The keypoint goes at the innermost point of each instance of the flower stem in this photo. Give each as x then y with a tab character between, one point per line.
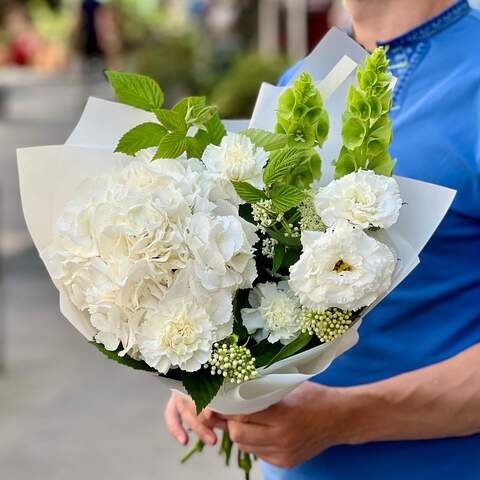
197	448
226	447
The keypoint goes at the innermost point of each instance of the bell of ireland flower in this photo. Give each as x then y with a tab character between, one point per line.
343	268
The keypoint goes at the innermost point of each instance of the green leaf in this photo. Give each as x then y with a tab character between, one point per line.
281	163
292	348
267	140
291	256
286	197
171	120
353	132
136	90
172	145
123	360
248	192
189	106
143	136
202	387
278	256
195	148
264	352
215	129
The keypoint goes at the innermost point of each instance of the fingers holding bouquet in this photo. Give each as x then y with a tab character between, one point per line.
304	424
180	416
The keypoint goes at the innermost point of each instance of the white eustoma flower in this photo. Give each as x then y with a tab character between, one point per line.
129	235
362	198
275	313
343	267
182	329
237	159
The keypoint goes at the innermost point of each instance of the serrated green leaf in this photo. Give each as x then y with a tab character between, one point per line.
353	132
171	120
123	360
202	387
143	136
281	162
136	90
195	148
285	197
292	348
172	145
248	192
267	140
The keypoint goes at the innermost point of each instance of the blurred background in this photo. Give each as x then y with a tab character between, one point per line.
65	412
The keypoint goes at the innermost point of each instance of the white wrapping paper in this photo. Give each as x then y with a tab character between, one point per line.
50	175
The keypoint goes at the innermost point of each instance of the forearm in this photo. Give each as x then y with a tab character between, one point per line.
439	401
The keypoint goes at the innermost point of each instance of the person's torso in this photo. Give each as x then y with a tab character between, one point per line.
434	313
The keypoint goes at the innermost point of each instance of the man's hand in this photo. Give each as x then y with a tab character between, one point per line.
300	427
180	411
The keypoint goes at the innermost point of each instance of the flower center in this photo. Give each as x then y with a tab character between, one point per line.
342	266
279	312
235	156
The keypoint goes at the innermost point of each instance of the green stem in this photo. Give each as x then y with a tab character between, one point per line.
197	448
245	463
226	447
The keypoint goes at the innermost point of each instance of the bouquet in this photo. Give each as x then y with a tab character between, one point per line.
219	259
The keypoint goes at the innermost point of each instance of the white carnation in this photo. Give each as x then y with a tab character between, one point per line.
182	330
343	268
362	198
127	236
237	159
275	313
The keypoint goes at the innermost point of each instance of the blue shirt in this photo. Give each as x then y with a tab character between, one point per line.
434	314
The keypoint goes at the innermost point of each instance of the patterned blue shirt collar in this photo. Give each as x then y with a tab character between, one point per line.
407	51
432	26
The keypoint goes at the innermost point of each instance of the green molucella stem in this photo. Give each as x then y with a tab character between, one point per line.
367	129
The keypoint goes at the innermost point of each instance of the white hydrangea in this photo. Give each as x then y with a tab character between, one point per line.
343	267
237	159
362	198
127	236
275	313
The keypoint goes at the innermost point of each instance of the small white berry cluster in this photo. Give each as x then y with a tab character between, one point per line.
234	362
264	216
293	231
268	247
327	325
